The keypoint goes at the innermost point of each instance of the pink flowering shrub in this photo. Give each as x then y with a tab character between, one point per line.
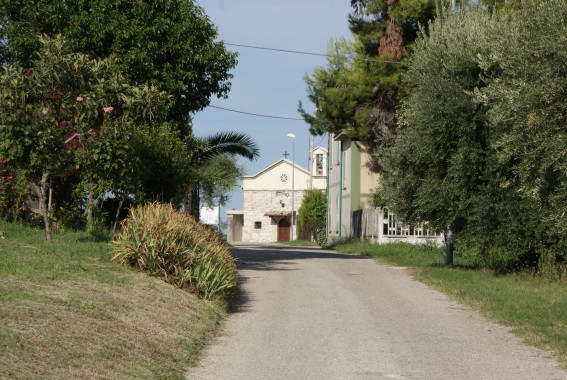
9	197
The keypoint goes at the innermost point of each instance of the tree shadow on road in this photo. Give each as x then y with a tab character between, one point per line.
274	257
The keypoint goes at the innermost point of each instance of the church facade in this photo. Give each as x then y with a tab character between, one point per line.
269	198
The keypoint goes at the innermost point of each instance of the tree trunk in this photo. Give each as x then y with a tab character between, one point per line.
41	193
188	200
192	202
120	204
89	208
51	206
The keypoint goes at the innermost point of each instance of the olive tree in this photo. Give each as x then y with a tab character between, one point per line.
481	145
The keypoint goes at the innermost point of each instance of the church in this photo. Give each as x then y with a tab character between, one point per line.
266	217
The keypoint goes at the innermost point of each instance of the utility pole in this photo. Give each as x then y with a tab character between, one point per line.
454	5
311	161
292	136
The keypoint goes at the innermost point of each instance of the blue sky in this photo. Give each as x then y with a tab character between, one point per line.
268	82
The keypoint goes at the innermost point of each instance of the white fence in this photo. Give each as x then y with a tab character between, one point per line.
381	226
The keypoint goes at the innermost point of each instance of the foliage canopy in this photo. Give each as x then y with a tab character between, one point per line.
357	93
168	43
152	62
481	140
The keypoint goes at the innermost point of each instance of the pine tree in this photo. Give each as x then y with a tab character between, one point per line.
358	92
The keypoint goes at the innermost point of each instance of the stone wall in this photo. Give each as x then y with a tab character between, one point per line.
259	202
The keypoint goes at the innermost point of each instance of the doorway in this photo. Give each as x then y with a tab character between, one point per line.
284	229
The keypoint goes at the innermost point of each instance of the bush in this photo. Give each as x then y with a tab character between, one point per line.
14	190
481	142
163	242
312	217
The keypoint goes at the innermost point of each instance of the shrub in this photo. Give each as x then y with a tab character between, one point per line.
173	246
14	190
312	216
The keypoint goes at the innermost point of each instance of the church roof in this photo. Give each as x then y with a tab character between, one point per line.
277	163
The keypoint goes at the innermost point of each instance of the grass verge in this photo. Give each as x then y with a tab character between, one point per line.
534	308
300	243
67	312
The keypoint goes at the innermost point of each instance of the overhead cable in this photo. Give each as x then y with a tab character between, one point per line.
308	53
257	115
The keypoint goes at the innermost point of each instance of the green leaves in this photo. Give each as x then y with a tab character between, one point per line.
312	216
69	115
357	92
165	243
162	162
481	144
213	165
227	142
104	96
168	43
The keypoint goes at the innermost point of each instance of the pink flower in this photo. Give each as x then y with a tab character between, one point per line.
79	98
108	109
62	126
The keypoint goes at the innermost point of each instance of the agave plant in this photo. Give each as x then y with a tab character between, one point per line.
163	242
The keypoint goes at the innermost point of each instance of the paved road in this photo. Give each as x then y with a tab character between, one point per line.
314	314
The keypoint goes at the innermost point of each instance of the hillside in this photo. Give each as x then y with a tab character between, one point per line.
67	312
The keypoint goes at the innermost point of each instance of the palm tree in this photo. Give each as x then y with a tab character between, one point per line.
205	150
358	6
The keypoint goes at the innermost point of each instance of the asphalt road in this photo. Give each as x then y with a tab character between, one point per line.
314	314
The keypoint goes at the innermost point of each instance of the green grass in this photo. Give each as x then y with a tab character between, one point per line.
534	308
300	243
67	312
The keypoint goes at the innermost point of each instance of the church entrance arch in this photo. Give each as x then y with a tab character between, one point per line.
284	229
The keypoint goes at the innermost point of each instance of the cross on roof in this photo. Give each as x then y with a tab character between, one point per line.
286	154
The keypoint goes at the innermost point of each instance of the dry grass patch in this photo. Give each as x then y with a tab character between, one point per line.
74	329
67	312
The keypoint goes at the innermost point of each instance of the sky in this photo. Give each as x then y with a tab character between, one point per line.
269	82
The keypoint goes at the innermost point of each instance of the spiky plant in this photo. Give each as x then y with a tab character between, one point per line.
163	242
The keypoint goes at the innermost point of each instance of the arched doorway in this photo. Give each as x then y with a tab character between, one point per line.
284	230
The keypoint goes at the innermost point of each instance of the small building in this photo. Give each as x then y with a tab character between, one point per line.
266	216
350	212
350	185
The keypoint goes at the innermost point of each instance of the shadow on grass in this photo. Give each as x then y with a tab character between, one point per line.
472	267
97	237
94	240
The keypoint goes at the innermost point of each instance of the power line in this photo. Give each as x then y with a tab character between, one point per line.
290	52
257	114
280	50
308	53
